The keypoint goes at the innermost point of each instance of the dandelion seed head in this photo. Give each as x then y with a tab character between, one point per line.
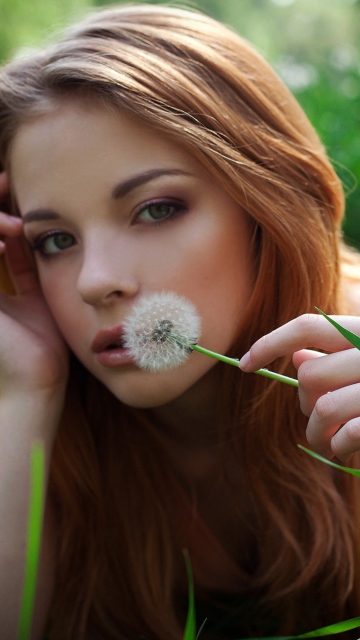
160	331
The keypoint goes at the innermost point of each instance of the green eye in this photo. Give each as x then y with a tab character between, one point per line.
157	211
160	210
62	240
54	242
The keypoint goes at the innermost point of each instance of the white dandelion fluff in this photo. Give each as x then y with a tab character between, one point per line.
161	331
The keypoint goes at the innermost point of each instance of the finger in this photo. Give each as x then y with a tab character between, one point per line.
346	440
319	375
307	397
4	183
331	371
10	225
306	331
303	355
330	412
21	266
4	192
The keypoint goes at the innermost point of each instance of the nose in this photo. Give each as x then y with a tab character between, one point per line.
107	273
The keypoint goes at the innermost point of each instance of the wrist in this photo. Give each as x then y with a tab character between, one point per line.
31	415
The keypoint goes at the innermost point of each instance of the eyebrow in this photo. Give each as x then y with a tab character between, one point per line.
40	214
121	190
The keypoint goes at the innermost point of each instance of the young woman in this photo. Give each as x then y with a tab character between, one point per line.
151	149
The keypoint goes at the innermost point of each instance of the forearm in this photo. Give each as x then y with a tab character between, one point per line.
22	421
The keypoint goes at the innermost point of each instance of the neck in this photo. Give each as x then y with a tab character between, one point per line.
193	419
190	428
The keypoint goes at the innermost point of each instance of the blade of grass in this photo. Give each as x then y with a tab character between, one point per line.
354	472
33	540
332	629
349	335
339	627
190	627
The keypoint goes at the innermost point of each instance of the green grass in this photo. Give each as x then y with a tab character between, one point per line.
190	628
36	503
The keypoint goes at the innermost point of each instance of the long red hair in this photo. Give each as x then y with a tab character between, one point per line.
118	544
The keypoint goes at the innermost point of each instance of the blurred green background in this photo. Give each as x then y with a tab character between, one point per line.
313	45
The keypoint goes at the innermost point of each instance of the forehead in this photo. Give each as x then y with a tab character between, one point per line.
77	144
77	124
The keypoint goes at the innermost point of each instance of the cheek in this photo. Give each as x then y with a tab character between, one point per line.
63	304
227	286
201	254
217	277
221	262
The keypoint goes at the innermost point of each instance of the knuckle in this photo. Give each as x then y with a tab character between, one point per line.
260	348
308	375
353	430
346	440
325	408
315	441
306	323
305	406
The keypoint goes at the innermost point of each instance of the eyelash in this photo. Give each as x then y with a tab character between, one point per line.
178	207
38	243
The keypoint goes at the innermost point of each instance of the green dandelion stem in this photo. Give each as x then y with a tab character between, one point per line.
277	376
235	362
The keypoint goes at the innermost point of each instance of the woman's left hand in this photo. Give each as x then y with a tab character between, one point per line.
329	385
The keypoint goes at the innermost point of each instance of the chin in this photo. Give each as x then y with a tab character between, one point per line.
143	400
152	391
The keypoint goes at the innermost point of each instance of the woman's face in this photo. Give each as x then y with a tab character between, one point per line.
114	211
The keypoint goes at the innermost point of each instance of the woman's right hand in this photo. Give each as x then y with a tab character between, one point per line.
33	354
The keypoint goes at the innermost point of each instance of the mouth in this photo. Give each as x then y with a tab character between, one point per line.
108	340
109	350
119	344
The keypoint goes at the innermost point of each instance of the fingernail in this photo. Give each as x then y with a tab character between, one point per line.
245	361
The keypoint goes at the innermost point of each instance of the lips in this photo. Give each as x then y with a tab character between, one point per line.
108	349
105	338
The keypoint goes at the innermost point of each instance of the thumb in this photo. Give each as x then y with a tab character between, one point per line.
305	354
